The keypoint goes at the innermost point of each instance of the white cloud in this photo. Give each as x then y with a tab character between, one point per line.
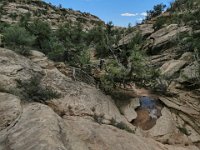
129	14
143	14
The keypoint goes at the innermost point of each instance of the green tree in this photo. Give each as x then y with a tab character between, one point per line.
43	32
18	38
159	23
56	50
157	10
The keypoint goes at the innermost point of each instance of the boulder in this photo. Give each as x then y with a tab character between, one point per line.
164	125
15	67
166	131
84	100
40	128
189	73
37	54
146	29
163	37
171	103
40	59
10	110
126	40
127	108
187	56
170	68
105	137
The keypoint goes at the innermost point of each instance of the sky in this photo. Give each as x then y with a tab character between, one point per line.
120	12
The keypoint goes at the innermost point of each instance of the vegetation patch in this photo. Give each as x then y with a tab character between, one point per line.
121	126
32	90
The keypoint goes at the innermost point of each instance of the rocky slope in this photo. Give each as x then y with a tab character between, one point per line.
84	118
179	72
12	11
69	122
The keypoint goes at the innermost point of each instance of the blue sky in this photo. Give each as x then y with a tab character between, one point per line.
120	12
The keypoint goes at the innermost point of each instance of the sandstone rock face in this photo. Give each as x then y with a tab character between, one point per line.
146	29
187	56
128	109
87	101
165	121
166	35
40	128
15	67
171	67
68	123
189	73
10	110
170	133
106	137
52	15
40	59
127	39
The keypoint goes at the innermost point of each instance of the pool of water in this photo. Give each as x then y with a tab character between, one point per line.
148	113
147	102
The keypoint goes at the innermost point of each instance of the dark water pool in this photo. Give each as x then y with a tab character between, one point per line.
147	102
148	113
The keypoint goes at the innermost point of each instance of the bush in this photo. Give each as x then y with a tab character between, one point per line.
157	10
32	90
99	118
121	125
84	58
56	50
24	19
115	73
42	31
159	23
129	66
18	38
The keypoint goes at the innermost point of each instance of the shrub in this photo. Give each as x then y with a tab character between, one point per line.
56	50
3	26
98	118
13	16
121	125
128	66
32	90
183	130
84	58
18	38
42	31
24	19
157	10
115	73
159	23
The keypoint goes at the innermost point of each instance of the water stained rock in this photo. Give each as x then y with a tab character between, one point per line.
148	113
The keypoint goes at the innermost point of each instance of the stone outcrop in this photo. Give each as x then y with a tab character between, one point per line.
164	38
146	29
171	67
189	73
127	108
44	11
15	67
39	127
10	109
68	122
